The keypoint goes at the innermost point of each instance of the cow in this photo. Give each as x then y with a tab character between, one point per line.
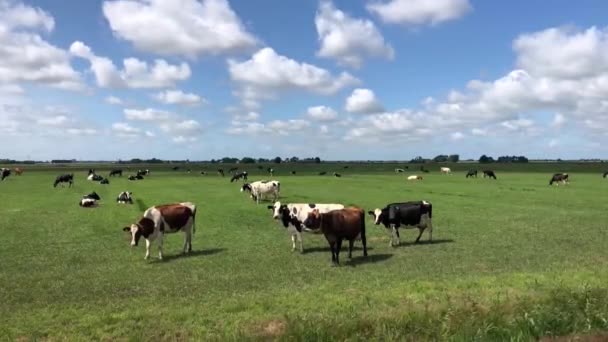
65	178
175	168
240	175
559	177
124	198
322	173
104	181
472	173
416	214
4	172
203	173
220	172
261	189
489	174
414	177
270	171
132	178
91	172
94	177
139	177
145	172
115	172
293	173
159	220
422	169
337	175
605	174
336	225
399	170
89	200
446	170
18	171
293	215
233	169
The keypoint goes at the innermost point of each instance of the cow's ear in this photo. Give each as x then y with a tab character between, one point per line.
371	213
126	229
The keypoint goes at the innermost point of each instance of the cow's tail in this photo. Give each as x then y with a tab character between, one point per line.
363	237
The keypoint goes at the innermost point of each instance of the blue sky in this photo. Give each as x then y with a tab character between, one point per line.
373	79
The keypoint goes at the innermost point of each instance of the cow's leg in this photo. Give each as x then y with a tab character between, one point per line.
350	248
160	246
398	236
332	246
301	243
419	235
148	243
338	248
293	242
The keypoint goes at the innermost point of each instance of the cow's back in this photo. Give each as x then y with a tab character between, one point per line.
345	222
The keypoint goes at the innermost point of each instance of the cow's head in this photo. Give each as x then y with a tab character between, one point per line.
144	228
313	220
246	187
276	209
378	215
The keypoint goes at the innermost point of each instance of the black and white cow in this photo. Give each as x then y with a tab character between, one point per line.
261	189
125	197
89	200
220	172
65	178
270	171
489	174
116	172
164	219
145	172
4	172
337	175
472	173
233	169
240	175
132	178
399	170
293	215
104	181
94	177
605	174
416	214
559	178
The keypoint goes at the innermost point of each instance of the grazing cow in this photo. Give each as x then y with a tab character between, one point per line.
104	181
399	170
145	172
116	172
293	215
89	200
65	178
261	189
323	173
446	170
489	174
175	168
18	171
336	225
220	172
472	173
270	171
605	174
337	174
559	177
293	173
240	175
164	219
410	214
124	198
4	172
233	169
414	177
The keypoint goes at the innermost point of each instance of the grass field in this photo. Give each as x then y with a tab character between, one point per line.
511	259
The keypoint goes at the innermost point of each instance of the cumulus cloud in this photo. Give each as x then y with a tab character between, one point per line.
134	74
187	28
348	40
322	113
25	120
123	129
558	120
148	114
171	124
178	97
275	127
419	12
363	101
27	57
457	136
266	73
113	100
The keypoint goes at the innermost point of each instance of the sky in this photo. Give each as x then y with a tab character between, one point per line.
342	79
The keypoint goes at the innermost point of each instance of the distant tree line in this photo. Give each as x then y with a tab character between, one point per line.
11	161
276	160
503	159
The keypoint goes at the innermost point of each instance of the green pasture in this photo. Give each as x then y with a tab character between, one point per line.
512	259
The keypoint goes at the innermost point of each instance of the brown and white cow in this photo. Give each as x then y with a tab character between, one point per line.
164	219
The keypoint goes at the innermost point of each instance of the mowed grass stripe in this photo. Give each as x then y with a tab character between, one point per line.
68	272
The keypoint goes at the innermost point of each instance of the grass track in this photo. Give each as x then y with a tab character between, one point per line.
512	258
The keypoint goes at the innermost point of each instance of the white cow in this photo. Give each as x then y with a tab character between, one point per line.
292	216
446	170
261	189
164	219
414	177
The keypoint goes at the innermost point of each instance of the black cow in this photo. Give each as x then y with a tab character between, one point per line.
89	200
203	173
65	178
132	178
233	169
240	175
293	173
472	173
605	174
175	168
559	177
105	181
220	172
416	214
323	173
139	177
4	172
489	174
116	172
337	174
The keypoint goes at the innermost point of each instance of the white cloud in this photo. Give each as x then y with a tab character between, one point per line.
419	12
363	101
148	114
125	130
322	113
114	100
182	140
150	134
553	143
82	131
275	127
25	56
348	40
26	120
457	136
479	132
558	120
518	124
135	73
186	127
187	28
250	116
178	97
267	73
57	121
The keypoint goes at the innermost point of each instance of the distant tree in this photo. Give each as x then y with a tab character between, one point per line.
247	160
263	160
228	160
418	160
294	159
440	158
453	158
277	160
317	160
213	161
485	159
